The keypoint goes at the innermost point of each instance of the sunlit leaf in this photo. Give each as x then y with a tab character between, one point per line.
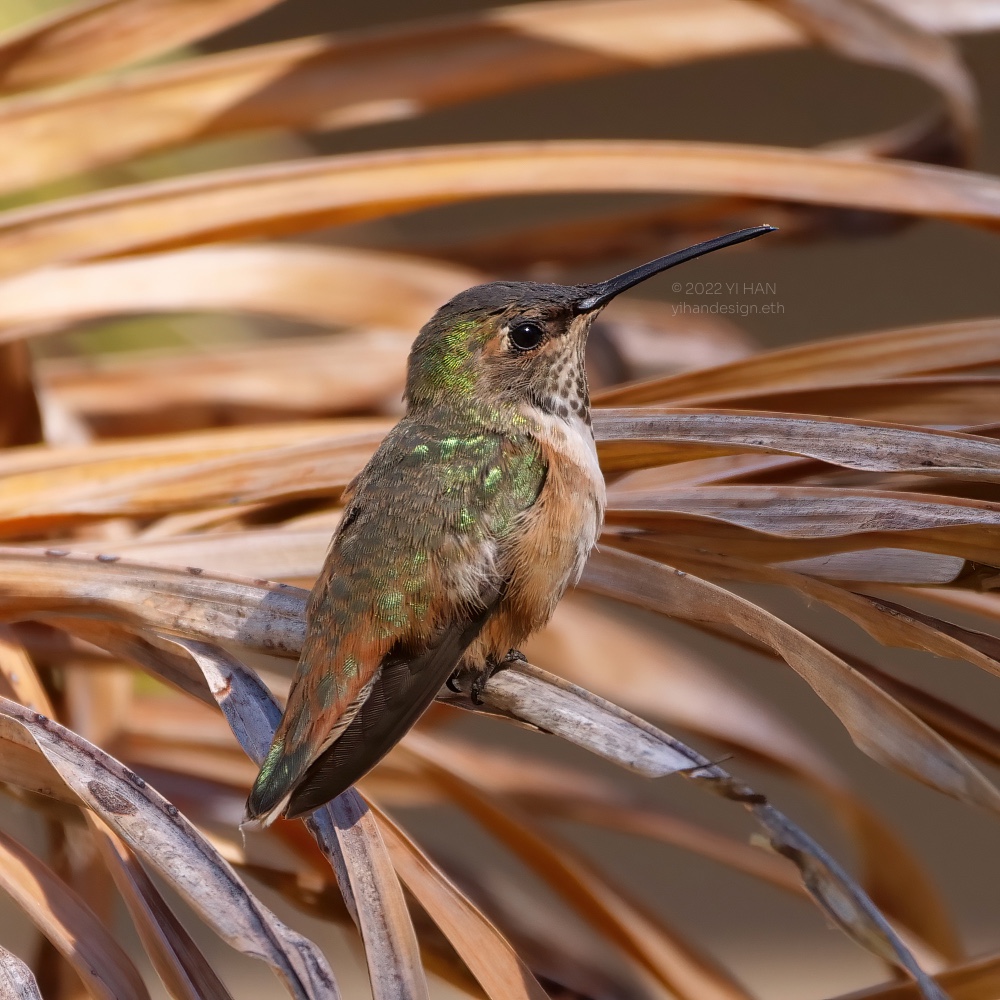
825	363
661	436
890	733
154	828
93	35
70	924
278	199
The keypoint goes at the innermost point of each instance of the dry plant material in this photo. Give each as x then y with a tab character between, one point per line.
160	510
91	36
16	980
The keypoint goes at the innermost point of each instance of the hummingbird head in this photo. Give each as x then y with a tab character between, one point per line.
514	342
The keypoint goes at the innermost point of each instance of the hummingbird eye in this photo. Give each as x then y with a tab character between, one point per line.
526	336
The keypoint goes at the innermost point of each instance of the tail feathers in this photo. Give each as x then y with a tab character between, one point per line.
266	819
403	690
296	782
274	785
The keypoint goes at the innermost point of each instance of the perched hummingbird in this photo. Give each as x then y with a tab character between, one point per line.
460	535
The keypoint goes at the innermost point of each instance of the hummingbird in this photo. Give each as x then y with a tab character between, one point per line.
459	536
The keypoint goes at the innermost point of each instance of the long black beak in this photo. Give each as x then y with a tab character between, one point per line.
601	293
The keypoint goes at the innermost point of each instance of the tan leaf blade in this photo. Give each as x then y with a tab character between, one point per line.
69	923
165	840
853	444
564	792
192	477
935	400
20	415
357	78
888	622
874	33
302	195
842	518
18	677
163	392
360	78
878	724
649	942
268	553
484	950
573	713
16	979
355	847
825	363
267	617
330	286
390	940
94	35
978	979
664	681
836	893
184	970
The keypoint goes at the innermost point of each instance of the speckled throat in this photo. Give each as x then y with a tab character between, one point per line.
566	393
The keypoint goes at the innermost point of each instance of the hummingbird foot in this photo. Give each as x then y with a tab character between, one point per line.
479	683
493	666
480	678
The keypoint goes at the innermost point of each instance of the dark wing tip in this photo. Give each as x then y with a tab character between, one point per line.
274	784
403	690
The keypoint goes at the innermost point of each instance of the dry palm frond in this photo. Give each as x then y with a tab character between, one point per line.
162	511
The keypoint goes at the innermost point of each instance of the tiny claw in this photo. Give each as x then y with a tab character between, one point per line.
452	685
479	683
514	656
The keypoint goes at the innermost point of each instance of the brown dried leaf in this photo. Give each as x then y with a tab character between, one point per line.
94	35
351	372
657	948
16	979
23	766
268	553
184	970
656	678
978	979
310	194
881	566
359	78
663	435
842	518
889	623
165	840
189	474
344	829
936	400
556	790
878	724
18	678
20	416
835	892
873	33
563	709
69	923
824	364
362	78
480	945
329	286
267	617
